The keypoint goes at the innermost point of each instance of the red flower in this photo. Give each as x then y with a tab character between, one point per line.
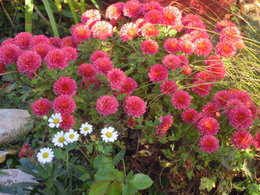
169	87
107	105
158	72
55	41
80	32
134	106
67	122
256	140
226	49
187	70
203	46
37	39
102	30
67	42
171	45
221	98
200	89
172	15
65	86
71	53
171	61
209	143
87	70
28	61
90	14
116	78
208	126
64	104
9	53
189	115
149	47
103	65
114	11
240	117
23	40
181	99
242	139
42	49
2	68
56	58
166	123
149	30
154	16
128	86
132	8
128	31
210	110
41	107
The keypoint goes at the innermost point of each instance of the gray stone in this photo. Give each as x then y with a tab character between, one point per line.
15	176
13	123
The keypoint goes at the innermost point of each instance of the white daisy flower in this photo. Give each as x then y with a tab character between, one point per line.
55	120
45	155
86	129
71	136
59	139
109	134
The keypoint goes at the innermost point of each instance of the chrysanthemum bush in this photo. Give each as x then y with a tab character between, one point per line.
143	78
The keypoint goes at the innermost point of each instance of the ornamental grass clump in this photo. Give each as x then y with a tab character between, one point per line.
149	71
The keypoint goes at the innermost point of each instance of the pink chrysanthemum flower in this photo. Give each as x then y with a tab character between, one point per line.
80	32
189	115
232	34
166	123
87	70
210	110
196	34
71	53
67	122
243	97
226	49
42	49
134	106
208	126
128	31
171	15
204	76
36	39
149	47
254	110
218	71
203	46
102	30
67	42
151	5
256	140
169	87
114	11
132	9
181	99
149	30
197	119
28	61
56	58
221	98
103	65
213	60
65	86
98	54
184	60
64	104
171	61
158	72
8	41
186	45
41	107
128	86
171	45
209	143
55	41
242	139
201	88
107	105
240	117
195	26
90	14
232	103
154	16
186	69
191	18
116	77
23	40
223	24
9	53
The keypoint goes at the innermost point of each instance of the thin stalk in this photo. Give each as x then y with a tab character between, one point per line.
28	15
95	4
58	5
82	6
73	12
51	18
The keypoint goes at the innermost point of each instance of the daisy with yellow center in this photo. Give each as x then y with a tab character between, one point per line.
86	129
45	155
59	139
108	134
71	136
55	120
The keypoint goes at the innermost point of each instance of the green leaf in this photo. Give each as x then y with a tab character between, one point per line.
99	188
129	189
119	157
207	183
115	189
141	181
